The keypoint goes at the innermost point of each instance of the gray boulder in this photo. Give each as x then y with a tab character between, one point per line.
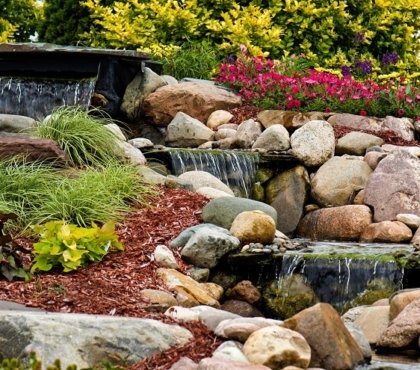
247	133
207	245
394	186
276	137
186	131
85	340
15	123
313	143
185	235
339	179
222	211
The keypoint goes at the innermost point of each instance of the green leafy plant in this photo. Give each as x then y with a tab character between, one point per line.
71	246
81	135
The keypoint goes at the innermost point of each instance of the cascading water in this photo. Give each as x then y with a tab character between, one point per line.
236	169
36	98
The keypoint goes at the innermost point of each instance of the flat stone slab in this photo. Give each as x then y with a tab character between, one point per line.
85	340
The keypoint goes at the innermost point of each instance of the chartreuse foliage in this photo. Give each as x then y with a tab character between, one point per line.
330	33
71	246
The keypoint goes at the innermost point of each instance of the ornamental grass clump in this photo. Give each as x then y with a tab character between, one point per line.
262	82
81	135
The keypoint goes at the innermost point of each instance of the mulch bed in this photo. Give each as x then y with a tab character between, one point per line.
113	286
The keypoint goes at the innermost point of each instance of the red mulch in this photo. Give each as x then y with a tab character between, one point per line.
113	286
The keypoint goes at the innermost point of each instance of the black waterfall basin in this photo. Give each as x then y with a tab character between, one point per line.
342	274
35	77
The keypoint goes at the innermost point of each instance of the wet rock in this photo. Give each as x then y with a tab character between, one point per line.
394	186
253	227
201	179
241	308
207	246
218	117
338	180
186	131
178	282
275	137
287	193
386	231
332	346
263	174
247	133
240	329
87	339
222	211
138	89
356	143
277	347
337	223
400	300
195	99
245	291
404	329
289	295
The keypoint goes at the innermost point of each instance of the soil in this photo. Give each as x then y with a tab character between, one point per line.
113	286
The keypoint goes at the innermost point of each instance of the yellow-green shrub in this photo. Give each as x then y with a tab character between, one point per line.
6	30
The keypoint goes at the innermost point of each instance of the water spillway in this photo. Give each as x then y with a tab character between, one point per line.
35	78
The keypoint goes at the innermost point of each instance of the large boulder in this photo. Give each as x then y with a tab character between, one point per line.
247	133
186	234
206	246
338	180
218	118
200	179
332	346
15	123
387	231
313	143
356	143
253	227
276	137
287	193
373	320
337	223
196	99
85	340
222	211
394	186
400	300
277	347
404	329
33	148
142	85
186	131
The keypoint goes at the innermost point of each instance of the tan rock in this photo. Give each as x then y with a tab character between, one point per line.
223	364
185	299
402	299
387	231
289	119
332	345
412	221
415	241
212	193
245	291
359	198
337	223
198	100
161	297
373	158
214	290
218	117
277	347
356	143
253	227
404	329
179	282
373	321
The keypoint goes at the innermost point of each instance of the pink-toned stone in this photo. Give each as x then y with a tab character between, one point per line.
387	231
198	100
245	291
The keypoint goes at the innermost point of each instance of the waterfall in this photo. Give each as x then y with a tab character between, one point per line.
236	169
340	279
36	98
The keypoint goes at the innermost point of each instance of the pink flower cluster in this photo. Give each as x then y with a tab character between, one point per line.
260	83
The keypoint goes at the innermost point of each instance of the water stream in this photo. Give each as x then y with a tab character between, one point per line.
235	169
36	98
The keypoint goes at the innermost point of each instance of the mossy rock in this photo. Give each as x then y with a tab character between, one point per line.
258	192
288	296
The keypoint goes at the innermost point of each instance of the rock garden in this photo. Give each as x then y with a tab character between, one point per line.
109	259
